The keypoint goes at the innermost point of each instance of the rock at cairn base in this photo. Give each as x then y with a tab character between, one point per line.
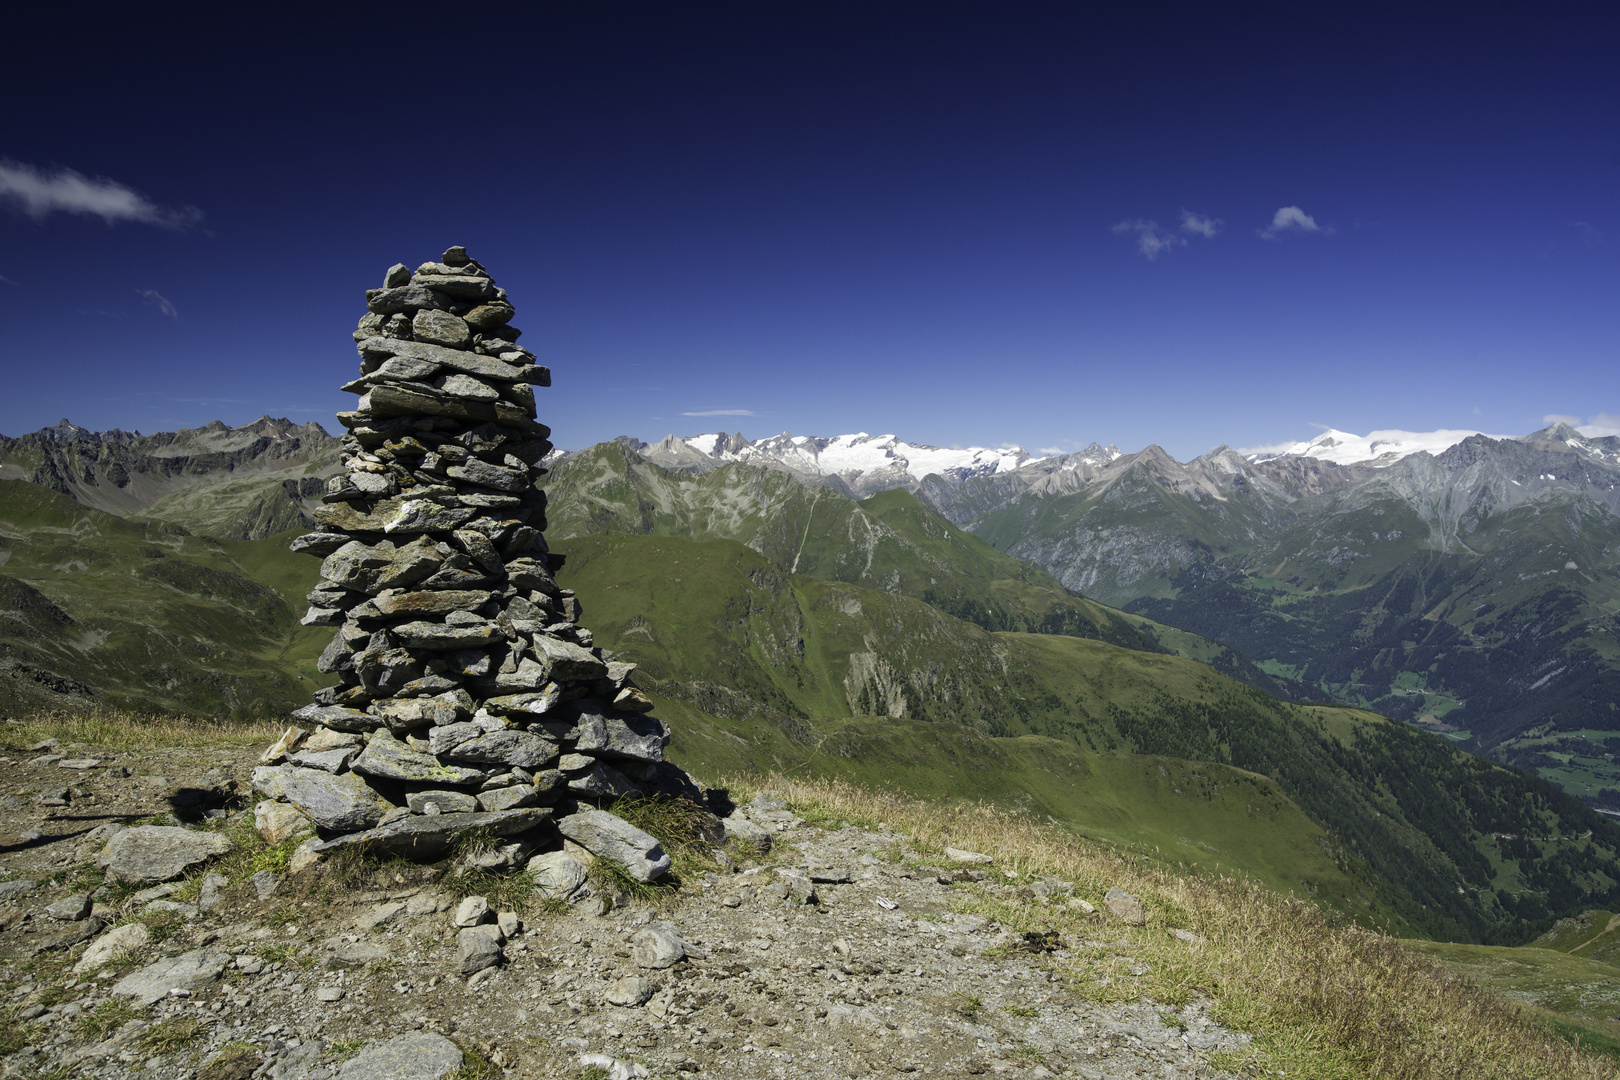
469	697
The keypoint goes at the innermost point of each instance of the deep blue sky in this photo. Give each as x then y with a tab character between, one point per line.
892	217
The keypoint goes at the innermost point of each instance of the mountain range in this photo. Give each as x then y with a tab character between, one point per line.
1459	581
244	482
787	623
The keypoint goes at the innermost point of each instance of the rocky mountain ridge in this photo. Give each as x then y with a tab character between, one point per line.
236	483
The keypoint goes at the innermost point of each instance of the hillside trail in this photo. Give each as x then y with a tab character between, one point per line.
839	955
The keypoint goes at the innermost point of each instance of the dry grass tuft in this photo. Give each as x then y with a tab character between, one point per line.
1321	999
118	729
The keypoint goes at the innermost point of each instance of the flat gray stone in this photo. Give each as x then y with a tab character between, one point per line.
432	635
432	601
491	476
335	803
70	908
387	758
129	936
422	516
415	1056
337	717
564	661
12	889
264	884
443	802
159	852
508	798
479	547
613	734
358	954
657	948
446	737
440	328
740	828
603	781
630	991
332	761
557	875
469	363
404	298
192	971
523	749
960	855
427	836
465	386
608	836
1124	907
477	950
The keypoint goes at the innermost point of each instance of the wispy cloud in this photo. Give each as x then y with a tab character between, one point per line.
1596	427
1151	240
721	412
1293	219
7	280
1200	225
1560	418
1589	232
1266	450
161	302
39	193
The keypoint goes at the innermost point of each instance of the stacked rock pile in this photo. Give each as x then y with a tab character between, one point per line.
469	696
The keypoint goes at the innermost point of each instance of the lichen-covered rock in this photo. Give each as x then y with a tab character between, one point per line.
417	1055
335	803
428	836
387	758
609	836
192	971
153	853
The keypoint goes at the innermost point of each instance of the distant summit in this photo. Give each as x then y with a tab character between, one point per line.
1376	448
67	431
863	464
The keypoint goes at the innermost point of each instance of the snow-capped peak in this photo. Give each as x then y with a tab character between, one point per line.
1376	448
862	460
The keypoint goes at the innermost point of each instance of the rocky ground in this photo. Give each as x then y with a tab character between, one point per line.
840	953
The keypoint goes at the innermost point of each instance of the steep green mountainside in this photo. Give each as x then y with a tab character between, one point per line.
237	483
1213	817
1474	592
95	609
739	637
890	541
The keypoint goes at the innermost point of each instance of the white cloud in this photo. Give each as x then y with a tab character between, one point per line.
39	194
161	302
1292	219
1268	450
721	412
1151	240
1203	226
1600	425
7	280
1560	418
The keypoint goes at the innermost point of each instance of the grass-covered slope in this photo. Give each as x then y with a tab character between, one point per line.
740	637
891	542
95	608
1210	817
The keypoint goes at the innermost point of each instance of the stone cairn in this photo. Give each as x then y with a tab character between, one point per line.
468	697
